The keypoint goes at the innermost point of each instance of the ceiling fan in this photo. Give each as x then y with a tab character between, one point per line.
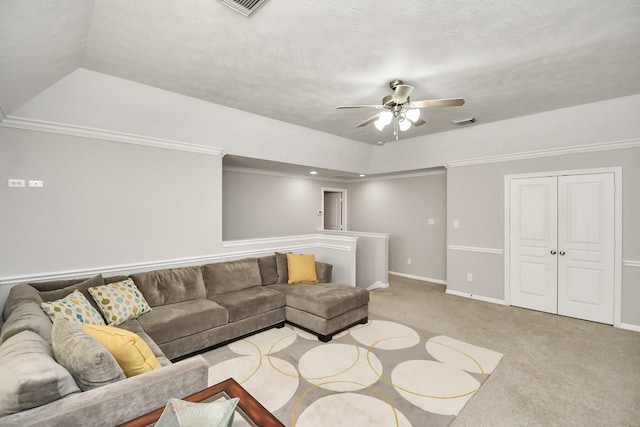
399	109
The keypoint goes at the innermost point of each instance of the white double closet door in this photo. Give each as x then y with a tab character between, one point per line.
562	240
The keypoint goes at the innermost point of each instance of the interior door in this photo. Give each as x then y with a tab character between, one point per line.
562	245
586	247
533	239
332	210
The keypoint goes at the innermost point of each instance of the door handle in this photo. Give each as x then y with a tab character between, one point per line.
553	252
562	253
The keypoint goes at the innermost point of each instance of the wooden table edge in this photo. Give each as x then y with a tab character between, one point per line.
254	409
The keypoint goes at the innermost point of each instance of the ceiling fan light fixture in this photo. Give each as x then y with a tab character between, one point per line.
404	124
413	114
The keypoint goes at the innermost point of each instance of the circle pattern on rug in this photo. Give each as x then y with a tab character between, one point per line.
462	355
352	410
260	378
339	367
269	341
434	386
386	335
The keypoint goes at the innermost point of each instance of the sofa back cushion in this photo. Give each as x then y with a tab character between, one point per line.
223	277
18	295
268	269
27	317
29	374
88	361
172	285
49	294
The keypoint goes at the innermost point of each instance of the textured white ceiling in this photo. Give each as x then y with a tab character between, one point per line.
295	61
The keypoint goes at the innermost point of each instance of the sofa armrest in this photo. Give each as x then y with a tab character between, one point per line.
121	401
324	271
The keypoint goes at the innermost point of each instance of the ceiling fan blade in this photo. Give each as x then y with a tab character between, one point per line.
418	122
358	106
401	94
369	120
453	102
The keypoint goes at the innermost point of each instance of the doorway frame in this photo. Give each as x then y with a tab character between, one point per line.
343	192
617	253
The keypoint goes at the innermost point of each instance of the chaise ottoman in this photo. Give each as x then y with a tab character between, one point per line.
324	308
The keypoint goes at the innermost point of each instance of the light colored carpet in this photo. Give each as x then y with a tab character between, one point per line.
556	371
380	374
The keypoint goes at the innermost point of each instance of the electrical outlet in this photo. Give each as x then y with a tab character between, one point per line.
456	223
432	221
469	277
409	261
35	183
13	182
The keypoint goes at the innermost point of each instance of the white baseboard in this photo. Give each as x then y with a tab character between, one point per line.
476	297
424	279
629	327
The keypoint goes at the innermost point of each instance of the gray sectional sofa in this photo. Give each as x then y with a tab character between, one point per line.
193	309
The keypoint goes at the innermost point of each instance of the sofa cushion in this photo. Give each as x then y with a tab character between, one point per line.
325	300
268	269
282	267
27	317
229	276
135	327
133	355
120	301
29	375
172	285
18	295
302	268
73	307
83	286
250	302
88	361
172	321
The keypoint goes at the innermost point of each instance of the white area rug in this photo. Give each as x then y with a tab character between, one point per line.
379	374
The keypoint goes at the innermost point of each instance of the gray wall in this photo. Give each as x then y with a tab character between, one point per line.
257	205
401	207
475	197
103	203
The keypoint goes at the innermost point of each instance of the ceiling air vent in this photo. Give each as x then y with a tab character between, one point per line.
245	7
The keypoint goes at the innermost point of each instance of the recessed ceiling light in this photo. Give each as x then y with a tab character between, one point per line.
313	173
380	143
362	175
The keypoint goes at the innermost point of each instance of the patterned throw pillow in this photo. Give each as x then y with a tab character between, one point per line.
73	307
120	301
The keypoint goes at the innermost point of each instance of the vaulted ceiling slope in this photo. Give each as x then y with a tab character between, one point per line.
295	61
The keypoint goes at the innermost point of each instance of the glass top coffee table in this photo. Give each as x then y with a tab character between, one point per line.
248	412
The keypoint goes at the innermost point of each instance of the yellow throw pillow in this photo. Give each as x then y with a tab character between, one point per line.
133	354
302	268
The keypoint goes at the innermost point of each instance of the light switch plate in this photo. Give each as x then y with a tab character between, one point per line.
14	182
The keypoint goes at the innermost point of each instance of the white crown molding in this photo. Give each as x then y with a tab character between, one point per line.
283	174
630	263
476	249
422	278
577	149
399	175
93	133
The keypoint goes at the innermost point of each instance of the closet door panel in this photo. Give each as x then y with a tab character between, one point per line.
533	234
586	246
